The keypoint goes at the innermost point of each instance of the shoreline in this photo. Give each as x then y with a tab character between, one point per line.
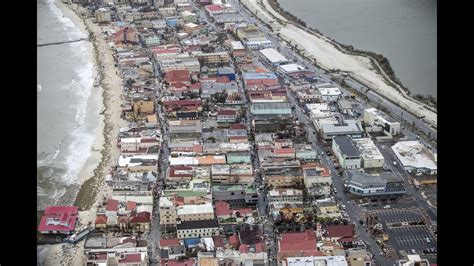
92	187
330	56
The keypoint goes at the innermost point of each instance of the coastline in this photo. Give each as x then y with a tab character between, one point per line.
91	178
331	56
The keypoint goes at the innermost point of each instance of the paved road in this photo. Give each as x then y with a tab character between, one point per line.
393	110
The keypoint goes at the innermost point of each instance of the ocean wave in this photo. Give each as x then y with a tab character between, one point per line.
69	27
79	149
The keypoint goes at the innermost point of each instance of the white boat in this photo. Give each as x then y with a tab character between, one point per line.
38	88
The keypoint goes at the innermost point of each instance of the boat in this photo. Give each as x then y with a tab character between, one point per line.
39	87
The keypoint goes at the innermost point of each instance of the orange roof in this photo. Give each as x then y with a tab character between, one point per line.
210	159
101	219
260	70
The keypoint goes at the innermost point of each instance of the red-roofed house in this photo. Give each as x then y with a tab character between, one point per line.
130	259
223	79
112	207
125	35
131	205
100	222
140	222
226	116
173	262
218	241
173	242
243	212
214	9
179	173
223	210
296	242
285	152
58	220
234	241
175	76
243	248
337	232
238	126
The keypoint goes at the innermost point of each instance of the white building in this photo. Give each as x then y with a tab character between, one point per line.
330	94
290	69
273	56
346	152
378	122
371	156
285	196
257	43
103	15
316	261
196	212
415	157
201	228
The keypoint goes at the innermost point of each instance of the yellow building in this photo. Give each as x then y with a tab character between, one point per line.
213	58
191	28
144	107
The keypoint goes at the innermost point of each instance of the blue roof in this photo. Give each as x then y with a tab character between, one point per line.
266	75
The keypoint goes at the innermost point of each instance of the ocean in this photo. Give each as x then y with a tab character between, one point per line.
68	119
404	31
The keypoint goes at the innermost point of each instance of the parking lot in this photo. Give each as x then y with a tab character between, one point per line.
403	236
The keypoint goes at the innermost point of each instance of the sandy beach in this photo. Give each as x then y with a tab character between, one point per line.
105	152
330	57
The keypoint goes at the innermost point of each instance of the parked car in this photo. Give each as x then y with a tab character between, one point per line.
413	251
387	207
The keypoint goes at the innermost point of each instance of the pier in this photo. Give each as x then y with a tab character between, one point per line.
57	43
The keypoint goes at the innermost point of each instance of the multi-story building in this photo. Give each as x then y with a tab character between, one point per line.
235	195
195	212
285	196
201	228
363	184
371	156
213	58
376	121
346	152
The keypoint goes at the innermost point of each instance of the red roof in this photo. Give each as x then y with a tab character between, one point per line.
112	205
243	211
173	170
59	218
142	217
196	86
284	151
340	230
101	219
169	242
298	241
223	79
218	241
226	112
177	76
238	126
214	8
243	248
131	205
234	241
222	208
258	247
131	258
